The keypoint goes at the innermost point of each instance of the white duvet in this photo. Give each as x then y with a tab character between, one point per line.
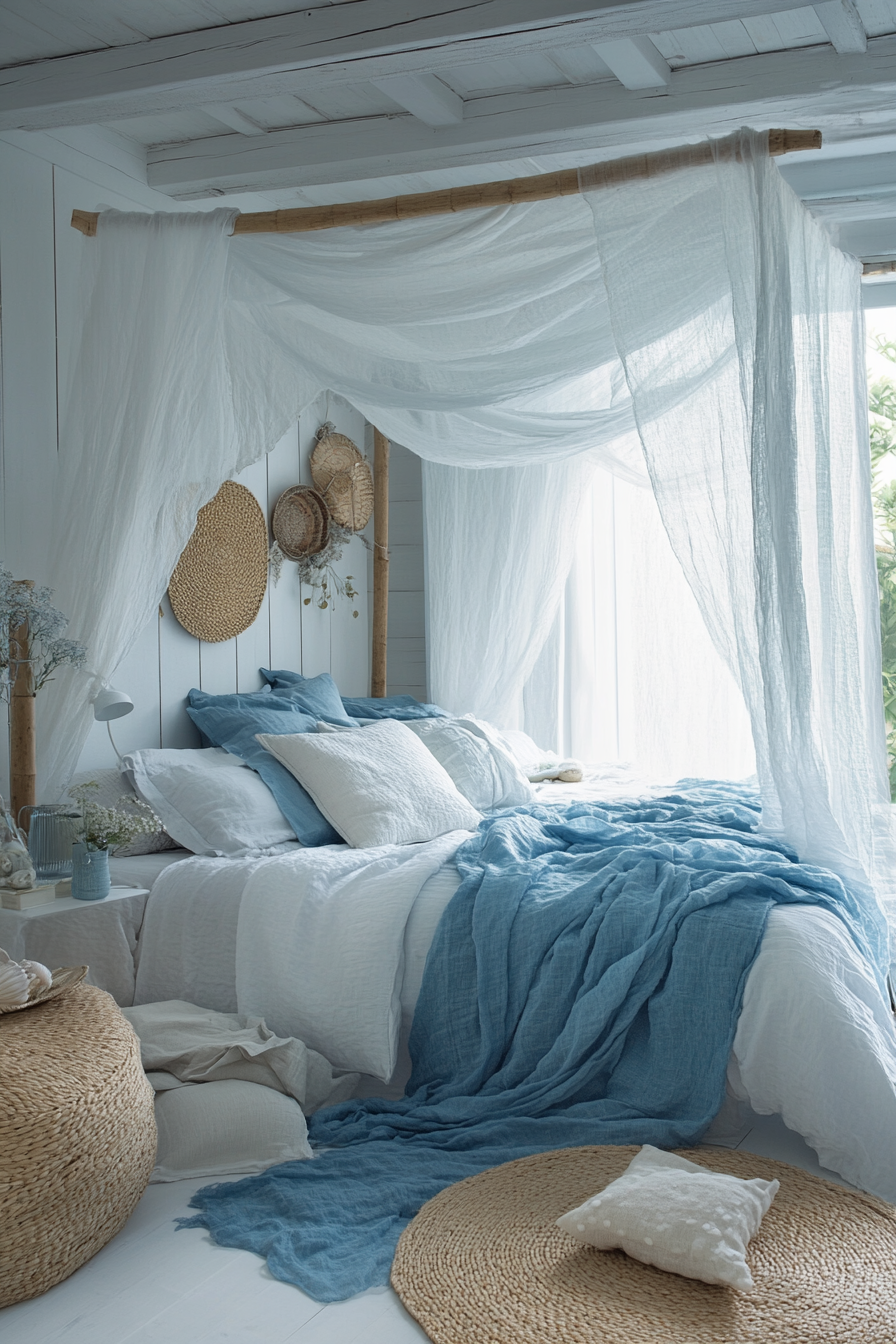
329	946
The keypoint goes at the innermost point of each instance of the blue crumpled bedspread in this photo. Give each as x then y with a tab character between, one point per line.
583	987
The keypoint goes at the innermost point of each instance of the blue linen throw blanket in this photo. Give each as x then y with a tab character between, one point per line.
583	987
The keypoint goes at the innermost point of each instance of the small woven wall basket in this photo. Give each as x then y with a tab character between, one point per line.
219	583
484	1263
343	477
77	1137
301	522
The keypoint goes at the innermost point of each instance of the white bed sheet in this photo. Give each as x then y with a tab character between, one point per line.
141	870
815	1041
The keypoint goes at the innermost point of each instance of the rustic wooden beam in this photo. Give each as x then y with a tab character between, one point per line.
324	47
378	658
22	740
480	196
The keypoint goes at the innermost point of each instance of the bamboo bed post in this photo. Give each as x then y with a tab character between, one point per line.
22	752
513	191
380	564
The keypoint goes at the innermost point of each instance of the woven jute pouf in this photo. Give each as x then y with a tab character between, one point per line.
484	1263
77	1137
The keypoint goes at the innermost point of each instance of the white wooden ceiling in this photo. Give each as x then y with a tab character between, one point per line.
363	98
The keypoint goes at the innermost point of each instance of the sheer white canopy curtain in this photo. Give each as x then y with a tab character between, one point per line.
697	330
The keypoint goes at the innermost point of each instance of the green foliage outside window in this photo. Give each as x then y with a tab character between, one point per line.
882	405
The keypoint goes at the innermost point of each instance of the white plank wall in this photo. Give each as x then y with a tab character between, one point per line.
287	633
41	181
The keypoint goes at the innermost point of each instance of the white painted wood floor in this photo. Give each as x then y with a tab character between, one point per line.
153	1285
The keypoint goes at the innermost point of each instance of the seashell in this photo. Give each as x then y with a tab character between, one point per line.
5	958
13	985
38	974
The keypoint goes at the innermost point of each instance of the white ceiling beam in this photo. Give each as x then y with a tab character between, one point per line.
635	62
425	96
841	21
346	43
811	86
236	120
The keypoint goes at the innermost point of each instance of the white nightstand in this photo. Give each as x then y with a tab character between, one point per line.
98	934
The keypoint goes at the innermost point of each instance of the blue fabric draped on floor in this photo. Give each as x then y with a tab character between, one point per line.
583	987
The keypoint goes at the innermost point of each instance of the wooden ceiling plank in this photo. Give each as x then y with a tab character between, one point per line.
811	86
636	63
425	97
357	40
842	23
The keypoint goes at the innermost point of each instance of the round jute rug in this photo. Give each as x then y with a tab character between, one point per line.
484	1263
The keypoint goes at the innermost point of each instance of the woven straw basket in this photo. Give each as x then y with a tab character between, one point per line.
220	580
484	1263
77	1137
343	477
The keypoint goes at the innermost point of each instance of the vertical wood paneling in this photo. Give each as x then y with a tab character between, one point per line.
284	599
253	646
315	621
178	672
407	617
349	644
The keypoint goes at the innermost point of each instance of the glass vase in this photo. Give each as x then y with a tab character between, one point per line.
90	872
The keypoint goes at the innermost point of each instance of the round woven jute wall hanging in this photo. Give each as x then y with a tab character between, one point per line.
342	475
301	522
484	1263
219	583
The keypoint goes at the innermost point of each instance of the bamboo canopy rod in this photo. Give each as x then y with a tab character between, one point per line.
380	564
22	741
514	191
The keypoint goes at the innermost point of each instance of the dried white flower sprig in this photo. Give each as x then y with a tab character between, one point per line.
47	649
111	827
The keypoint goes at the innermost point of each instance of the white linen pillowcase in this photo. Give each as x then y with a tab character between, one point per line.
376	787
225	1128
668	1212
482	770
209	801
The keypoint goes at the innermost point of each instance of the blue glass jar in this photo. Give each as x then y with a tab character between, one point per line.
90	872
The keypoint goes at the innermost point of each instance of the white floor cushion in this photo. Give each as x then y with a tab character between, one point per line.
226	1128
672	1213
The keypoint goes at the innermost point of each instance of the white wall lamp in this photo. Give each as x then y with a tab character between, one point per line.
108	705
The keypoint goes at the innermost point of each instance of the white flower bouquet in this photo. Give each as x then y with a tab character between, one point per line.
110	827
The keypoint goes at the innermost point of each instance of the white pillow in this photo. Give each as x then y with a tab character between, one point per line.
482	770
669	1212
208	801
226	1128
379	787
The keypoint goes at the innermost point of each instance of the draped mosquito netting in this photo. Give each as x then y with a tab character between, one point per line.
694	332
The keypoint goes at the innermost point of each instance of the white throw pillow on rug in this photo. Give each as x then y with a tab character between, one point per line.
678	1216
209	801
376	787
225	1129
482	770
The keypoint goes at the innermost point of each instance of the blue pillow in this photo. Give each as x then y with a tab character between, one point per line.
203	699
353	707
233	727
391	707
316	696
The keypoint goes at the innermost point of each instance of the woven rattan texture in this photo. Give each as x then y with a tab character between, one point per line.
301	522
77	1137
343	477
483	1263
219	583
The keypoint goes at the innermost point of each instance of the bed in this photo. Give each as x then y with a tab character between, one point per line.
212	926
653	1014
